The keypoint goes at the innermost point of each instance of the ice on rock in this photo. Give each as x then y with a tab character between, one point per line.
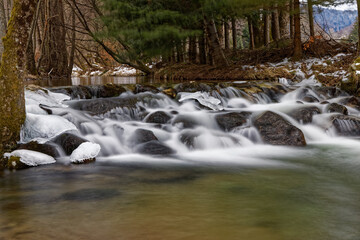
44	127
31	158
86	151
311	81
46	98
203	98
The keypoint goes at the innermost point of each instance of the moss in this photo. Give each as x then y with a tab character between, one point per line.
12	108
14	163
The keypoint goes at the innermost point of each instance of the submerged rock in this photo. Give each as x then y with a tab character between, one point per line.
46	148
159	117
346	125
231	120
335	107
142	136
69	142
154	148
186	121
305	114
275	130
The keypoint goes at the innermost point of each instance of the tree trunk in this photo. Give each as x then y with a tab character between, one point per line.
266	29
292	22
3	24
275	26
234	33
202	48
12	107
73	43
54	60
216	51
192	49
358	8
311	18
227	35
284	19
251	33
297	31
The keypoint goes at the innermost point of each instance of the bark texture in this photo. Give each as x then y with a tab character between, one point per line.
297	31
54	59
12	107
214	43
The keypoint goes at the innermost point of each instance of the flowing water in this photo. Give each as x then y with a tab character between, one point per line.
215	184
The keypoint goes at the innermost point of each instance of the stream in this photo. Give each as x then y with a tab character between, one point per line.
203	163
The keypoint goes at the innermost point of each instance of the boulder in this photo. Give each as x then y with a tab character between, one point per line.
109	90
310	98
159	117
69	142
353	102
228	121
304	115
142	136
335	107
46	148
188	138
154	148
145	88
192	87
346	125
275	130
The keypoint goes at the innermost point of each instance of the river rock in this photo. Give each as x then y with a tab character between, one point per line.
69	142
231	120
159	117
192	87
109	90
353	102
154	148
275	130
346	125
105	105
47	148
310	98
185	121
188	138
142	136
145	88
335	107
304	115
75	92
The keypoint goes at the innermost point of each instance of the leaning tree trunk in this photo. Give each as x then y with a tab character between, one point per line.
251	33
54	59
311	18
202	48
214	43
297	31
12	107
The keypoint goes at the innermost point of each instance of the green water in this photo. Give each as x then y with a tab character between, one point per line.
315	196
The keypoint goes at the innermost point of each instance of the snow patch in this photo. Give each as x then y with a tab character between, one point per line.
31	158
44	127
85	151
203	98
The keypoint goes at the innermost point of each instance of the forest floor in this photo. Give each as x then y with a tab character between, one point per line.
325	61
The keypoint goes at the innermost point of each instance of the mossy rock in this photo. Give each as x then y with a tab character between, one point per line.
14	163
